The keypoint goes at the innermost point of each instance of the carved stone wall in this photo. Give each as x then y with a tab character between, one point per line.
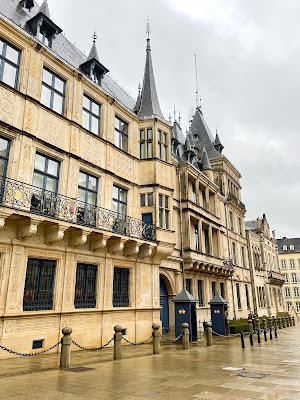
14	301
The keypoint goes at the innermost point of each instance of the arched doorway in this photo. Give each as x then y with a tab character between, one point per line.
164	304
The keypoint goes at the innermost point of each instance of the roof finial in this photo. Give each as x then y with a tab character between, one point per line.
94	38
148	28
179	118
139	88
170	118
174	113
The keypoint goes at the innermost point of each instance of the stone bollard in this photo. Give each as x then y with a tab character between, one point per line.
251	338
250	325
185	336
65	355
242	340
209	338
294	322
270	323
283	320
156	339
275	322
118	342
264	323
287	322
290	321
279	322
257	321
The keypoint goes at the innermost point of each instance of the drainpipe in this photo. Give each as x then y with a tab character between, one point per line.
181	232
229	255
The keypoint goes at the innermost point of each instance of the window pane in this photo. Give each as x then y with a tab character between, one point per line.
2	167
3	147
40	162
167	202
9	75
85	119
143	200
150	199
160	218
58	103
117	123
95	108
117	138
123	127
92	183
86	102
1	47
165	138
149	149
81	195
12	54
123	209
46	96
115	192
51	184
47	77
124	142
92	198
160	200
123	195
159	136
166	154
82	179
95	125
59	84
52	167
142	151
115	206
149	134
167	219
142	134
38	180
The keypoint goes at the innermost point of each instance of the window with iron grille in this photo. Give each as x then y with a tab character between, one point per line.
200	293
85	289
39	284
213	289
238	296
9	64
53	91
121	287
91	115
121	134
146	143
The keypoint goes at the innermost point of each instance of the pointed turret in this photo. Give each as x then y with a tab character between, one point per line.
149	105
206	166
92	66
217	144
138	100
44	9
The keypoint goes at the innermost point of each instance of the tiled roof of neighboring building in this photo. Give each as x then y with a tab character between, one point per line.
288	242
12	10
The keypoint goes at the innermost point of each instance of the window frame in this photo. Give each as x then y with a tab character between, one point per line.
164	211
46	174
121	134
162	145
200	288
87	190
4	60
54	91
91	114
87	303
238	295
124	299
5	158
146	143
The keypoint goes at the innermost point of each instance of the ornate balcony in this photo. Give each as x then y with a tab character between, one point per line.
20	196
232	197
276	278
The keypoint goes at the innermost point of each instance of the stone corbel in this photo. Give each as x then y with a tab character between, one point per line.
78	238
146	250
3	215
131	248
162	251
28	227
116	245
55	234
98	242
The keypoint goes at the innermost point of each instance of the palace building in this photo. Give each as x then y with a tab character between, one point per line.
107	209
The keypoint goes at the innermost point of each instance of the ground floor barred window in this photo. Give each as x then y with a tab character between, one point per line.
121	287
39	284
85	289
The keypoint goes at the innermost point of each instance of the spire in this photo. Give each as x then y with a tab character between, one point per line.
149	100
44	9
205	161
217	143
93	53
138	100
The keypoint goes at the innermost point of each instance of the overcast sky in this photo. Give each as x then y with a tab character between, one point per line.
248	55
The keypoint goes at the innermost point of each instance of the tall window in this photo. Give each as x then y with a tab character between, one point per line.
45	37
162	146
164	211
294	278
119	203
146	143
121	134
85	289
247	296
243	257
45	177
87	194
296	292
287	292
53	91
238	296
188	285
121	287
222	289
194	196
91	115
196	236
39	284
204	203
213	289
240	226
200	293
289	305
146	200
292	264
286	278
206	241
4	154
233	253
230	220
297	307
9	64
283	264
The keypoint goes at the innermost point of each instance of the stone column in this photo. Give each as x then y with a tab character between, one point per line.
185	336
65	355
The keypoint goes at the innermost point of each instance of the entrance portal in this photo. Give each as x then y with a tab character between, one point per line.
164	304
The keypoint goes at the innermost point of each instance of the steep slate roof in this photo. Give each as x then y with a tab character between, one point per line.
202	135
45	9
63	48
177	133
205	161
149	104
287	242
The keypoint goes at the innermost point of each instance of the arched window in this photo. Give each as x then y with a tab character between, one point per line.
284	247
292	247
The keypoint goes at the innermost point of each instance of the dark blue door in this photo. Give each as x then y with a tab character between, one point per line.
148	228
164	304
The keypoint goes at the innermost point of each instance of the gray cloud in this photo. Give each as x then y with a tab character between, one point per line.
248	63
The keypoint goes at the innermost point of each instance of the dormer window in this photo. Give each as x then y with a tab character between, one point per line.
292	247
284	247
29	4
45	37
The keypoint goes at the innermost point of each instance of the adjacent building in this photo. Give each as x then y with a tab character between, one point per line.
264	265
289	258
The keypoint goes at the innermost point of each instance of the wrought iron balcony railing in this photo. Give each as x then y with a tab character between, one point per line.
19	195
233	197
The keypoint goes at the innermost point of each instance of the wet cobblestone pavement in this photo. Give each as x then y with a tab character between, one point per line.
199	373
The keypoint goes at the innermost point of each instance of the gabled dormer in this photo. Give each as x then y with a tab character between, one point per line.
92	66
42	27
29	4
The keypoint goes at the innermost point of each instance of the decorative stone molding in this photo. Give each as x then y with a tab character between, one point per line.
98	241
162	251
131	248
3	215
28	227
145	250
115	245
55	234
78	238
